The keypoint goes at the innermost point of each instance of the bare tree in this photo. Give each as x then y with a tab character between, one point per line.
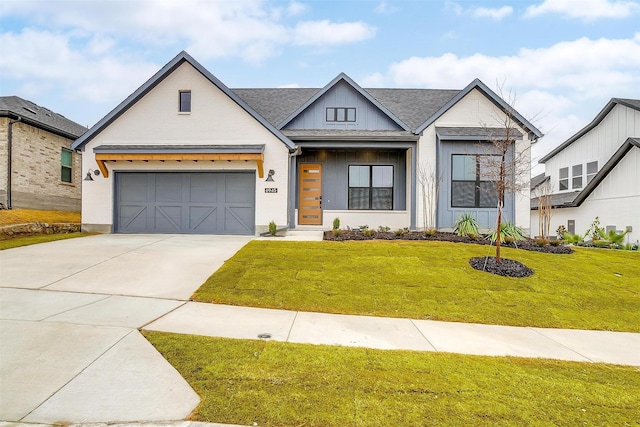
506	167
429	182
543	196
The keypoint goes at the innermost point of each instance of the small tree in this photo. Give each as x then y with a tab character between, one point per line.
506	166
543	196
429	182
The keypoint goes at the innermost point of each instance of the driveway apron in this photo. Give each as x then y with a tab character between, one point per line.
69	317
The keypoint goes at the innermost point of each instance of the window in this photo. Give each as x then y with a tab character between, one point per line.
185	101
592	170
66	162
341	114
371	187
471	186
576	176
564	178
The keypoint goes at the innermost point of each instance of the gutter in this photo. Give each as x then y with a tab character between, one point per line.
9	156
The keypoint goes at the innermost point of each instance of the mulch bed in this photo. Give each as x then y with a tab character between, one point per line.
527	244
507	267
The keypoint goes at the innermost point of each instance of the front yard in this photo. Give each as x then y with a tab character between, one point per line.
590	289
269	383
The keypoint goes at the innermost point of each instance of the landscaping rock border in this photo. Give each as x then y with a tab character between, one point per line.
507	267
527	244
39	228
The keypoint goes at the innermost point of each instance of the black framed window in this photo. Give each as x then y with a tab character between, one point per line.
592	170
66	165
576	176
335	114
371	187
184	101
563	176
471	183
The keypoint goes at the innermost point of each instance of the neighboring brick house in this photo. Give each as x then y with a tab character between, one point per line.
38	170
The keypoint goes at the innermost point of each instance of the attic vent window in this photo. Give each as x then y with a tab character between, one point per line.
30	110
335	114
185	101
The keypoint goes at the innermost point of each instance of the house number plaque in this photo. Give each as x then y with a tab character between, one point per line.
270	190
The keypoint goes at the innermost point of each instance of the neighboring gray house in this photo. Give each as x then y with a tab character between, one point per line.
186	154
38	170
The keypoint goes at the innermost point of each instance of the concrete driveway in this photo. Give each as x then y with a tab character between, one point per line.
69	317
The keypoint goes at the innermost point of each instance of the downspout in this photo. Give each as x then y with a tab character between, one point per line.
9	148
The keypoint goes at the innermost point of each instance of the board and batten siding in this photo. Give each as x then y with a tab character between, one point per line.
616	202
599	144
474	110
368	116
335	173
215	119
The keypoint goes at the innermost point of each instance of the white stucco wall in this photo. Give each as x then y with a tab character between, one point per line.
215	119
475	110
616	201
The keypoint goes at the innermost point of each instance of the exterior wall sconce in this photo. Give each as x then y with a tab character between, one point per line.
270	175
89	172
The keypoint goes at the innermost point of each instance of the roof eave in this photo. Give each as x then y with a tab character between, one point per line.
35	123
477	83
156	79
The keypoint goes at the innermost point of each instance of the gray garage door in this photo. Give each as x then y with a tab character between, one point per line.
186	203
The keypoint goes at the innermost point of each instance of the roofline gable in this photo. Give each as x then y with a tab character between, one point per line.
595	122
156	79
354	85
606	169
493	97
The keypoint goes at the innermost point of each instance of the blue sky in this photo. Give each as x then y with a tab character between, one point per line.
563	59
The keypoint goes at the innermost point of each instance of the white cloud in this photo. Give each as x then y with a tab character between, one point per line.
553	84
588	10
385	8
327	33
496	14
295	8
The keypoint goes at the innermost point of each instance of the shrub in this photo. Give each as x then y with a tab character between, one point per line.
541	242
595	231
402	231
336	232
507	231
368	233
466	225
272	228
556	242
336	223
384	229
572	238
561	231
364	227
430	232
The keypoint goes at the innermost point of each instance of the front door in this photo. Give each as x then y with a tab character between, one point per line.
310	195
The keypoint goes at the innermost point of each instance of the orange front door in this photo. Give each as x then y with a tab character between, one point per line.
310	195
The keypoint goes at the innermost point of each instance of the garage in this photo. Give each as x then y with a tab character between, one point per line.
185	202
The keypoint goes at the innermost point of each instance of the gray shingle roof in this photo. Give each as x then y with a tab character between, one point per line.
558	200
337	134
537	180
412	106
477	132
40	117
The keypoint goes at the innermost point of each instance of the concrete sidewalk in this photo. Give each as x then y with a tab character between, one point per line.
401	334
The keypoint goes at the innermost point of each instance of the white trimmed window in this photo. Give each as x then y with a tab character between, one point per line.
563	181
592	170
576	177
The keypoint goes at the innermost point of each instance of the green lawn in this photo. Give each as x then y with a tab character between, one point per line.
282	384
590	289
15	242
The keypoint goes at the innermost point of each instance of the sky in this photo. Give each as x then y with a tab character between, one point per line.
559	61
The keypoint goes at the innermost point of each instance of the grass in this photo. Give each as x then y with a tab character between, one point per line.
590	289
283	384
15	242
25	216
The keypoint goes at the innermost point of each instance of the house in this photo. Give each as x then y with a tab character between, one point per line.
596	173
186	154
38	170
